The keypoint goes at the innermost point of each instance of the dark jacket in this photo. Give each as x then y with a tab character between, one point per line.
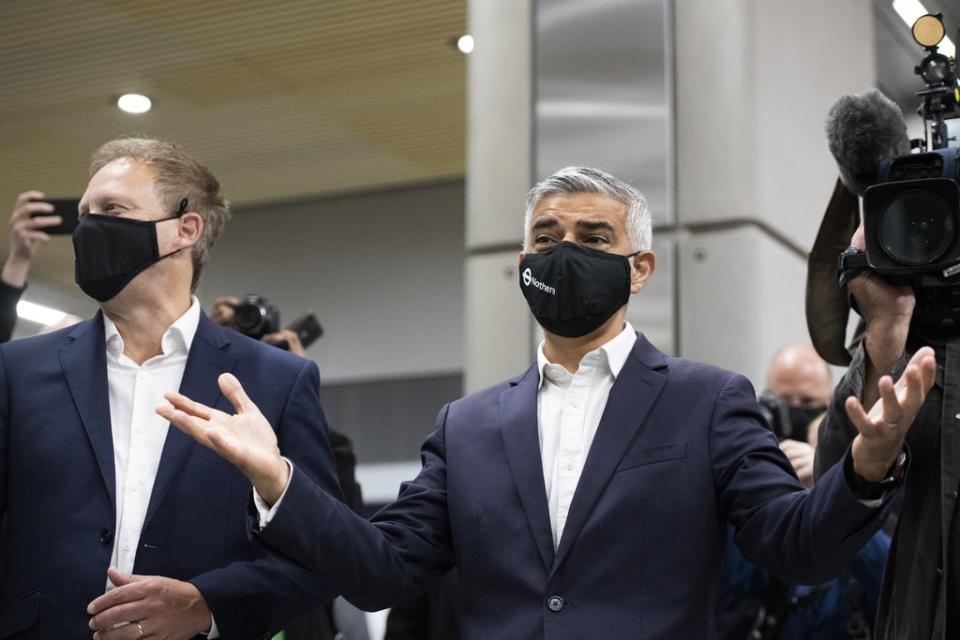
921	591
680	450
9	297
57	485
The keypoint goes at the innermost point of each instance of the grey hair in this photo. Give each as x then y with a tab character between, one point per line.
587	180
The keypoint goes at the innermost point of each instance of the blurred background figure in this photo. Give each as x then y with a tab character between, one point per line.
797	394
255	317
754	605
30	218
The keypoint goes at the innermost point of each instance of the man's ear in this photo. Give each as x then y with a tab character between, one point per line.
520	258
642	266
189	229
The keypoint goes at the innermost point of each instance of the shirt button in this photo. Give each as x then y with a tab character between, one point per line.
126	547
575	404
555	603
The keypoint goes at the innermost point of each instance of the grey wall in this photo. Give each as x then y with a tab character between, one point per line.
383	271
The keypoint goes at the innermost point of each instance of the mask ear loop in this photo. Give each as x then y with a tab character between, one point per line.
180	211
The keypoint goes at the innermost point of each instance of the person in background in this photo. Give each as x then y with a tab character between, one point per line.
752	604
26	238
337	620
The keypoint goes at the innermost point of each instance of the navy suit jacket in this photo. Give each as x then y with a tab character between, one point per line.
57	485
680	450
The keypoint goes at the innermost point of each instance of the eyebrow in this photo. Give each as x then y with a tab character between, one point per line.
594	225
544	223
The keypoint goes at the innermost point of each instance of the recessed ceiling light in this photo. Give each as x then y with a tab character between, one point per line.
465	43
134	103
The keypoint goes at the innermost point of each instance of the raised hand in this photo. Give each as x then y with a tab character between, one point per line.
244	439
883	429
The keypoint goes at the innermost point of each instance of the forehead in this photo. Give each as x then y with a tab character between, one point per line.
578	206
800	378
120	178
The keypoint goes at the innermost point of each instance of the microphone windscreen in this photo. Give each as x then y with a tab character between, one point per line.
862	130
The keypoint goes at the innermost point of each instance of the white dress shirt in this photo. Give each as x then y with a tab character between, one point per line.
569	407
138	432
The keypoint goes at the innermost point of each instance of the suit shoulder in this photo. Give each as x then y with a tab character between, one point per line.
489	395
34	346
706	376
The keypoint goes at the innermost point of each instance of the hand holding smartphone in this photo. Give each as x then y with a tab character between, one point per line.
69	211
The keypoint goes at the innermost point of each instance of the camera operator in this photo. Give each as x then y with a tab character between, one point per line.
26	237
338	620
921	589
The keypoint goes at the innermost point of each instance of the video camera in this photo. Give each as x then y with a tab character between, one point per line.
911	211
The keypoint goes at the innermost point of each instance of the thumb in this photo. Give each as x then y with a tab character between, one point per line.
234	392
119	579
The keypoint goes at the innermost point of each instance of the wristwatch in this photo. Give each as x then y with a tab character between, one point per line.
873	490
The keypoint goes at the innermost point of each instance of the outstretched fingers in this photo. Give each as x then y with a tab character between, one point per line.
233	391
190	407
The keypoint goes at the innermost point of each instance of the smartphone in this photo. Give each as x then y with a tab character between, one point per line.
69	211
307	328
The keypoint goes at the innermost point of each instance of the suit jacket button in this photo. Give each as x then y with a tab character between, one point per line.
106	536
555	603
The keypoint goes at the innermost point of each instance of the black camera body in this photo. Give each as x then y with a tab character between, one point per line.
776	412
255	317
911	217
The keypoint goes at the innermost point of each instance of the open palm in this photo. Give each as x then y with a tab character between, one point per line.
245	439
882	430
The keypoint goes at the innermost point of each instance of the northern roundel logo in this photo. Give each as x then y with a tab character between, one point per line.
527	277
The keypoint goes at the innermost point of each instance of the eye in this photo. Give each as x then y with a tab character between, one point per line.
596	239
544	241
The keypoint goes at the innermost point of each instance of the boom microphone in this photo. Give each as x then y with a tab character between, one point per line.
862	130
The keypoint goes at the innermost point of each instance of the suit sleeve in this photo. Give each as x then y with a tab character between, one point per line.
4	435
397	555
249	598
798	535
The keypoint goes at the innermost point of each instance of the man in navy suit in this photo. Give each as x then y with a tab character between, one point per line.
589	496
98	492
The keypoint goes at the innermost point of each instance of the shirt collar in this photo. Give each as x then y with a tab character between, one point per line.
177	338
614	352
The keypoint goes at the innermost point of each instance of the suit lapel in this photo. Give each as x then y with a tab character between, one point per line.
84	363
209	357
631	397
518	428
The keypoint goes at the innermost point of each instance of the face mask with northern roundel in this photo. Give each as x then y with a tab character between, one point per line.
573	290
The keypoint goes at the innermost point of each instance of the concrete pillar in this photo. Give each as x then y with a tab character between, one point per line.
754	81
498	327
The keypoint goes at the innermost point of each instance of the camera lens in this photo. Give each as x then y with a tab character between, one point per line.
917	227
247	318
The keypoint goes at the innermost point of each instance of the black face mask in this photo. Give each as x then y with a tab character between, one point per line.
573	290
800	419
110	251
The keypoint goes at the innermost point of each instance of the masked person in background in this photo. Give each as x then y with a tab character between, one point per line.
99	494
587	497
755	605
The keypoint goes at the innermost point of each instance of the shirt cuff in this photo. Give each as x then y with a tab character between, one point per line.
264	512
214	632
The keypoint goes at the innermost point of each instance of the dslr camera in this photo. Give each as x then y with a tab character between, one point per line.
911	213
255	317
